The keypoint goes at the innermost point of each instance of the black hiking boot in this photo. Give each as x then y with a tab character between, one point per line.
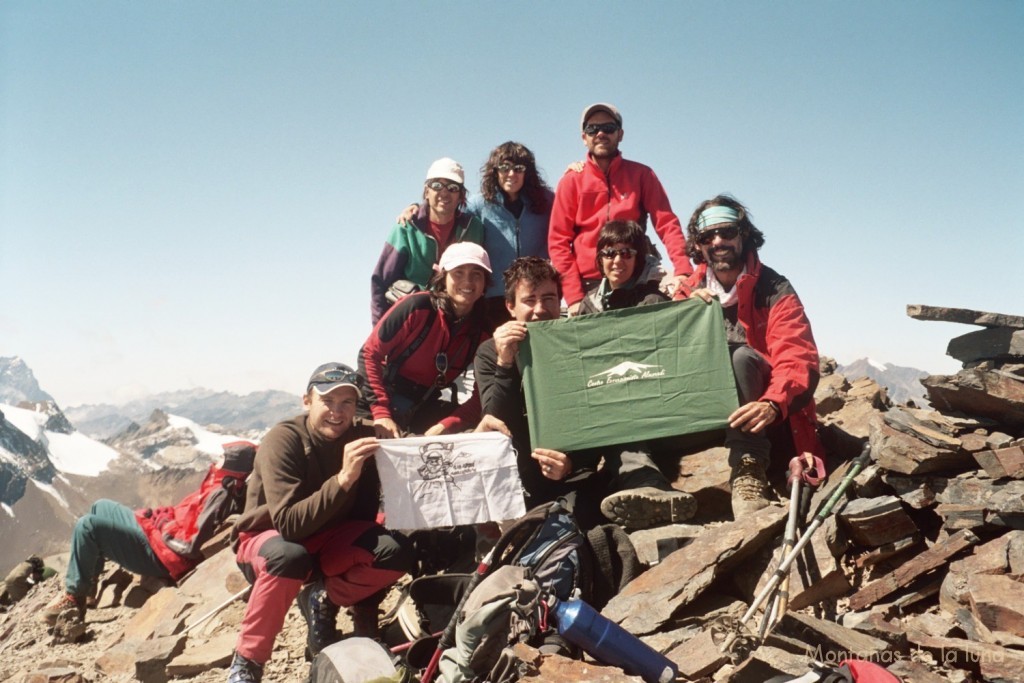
244	670
321	617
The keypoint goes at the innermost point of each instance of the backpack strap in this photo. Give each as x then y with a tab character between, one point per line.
615	562
459	231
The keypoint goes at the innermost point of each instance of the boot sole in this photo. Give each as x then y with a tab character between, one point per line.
636	510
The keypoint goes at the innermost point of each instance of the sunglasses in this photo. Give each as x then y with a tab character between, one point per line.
332	376
606	128
506	168
437	186
627	253
729	232
441	365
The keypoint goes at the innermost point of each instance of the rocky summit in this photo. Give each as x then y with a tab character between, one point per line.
917	566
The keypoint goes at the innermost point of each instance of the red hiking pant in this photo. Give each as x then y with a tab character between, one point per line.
277	569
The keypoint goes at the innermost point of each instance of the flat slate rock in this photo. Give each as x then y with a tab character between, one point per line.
965	316
1001	463
706	475
994	343
971	501
997	603
904	575
555	668
766	662
928	426
874	522
827	641
981	392
997	664
201	656
651	599
896	451
1002	555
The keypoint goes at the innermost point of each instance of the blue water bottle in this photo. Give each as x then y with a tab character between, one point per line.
607	642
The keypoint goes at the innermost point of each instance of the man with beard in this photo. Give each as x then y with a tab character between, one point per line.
606	188
773	353
630	489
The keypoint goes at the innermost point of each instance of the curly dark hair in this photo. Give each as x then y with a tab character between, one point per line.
626	232
532	270
534	187
753	239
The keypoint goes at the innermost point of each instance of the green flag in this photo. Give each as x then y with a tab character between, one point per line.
627	375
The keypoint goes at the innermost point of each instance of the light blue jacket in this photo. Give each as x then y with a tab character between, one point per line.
506	237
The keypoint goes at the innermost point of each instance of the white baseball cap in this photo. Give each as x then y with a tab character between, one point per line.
462	254
447	169
609	109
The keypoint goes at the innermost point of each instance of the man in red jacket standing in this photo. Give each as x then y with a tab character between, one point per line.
607	188
774	356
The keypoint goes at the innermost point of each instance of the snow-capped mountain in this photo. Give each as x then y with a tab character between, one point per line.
903	383
18	383
257	411
50	473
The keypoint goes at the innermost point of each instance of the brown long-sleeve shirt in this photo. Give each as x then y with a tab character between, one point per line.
294	488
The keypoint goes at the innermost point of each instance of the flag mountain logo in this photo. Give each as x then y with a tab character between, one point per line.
626	371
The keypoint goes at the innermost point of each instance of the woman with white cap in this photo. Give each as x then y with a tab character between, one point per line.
514	206
412	248
422	345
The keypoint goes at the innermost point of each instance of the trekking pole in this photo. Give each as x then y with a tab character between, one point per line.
218	608
783	569
807	469
780	599
447	638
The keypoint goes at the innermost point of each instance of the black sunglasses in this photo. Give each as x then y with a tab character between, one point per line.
627	253
437	186
727	233
606	128
505	168
441	365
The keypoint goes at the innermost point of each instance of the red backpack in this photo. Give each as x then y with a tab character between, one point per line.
848	671
177	533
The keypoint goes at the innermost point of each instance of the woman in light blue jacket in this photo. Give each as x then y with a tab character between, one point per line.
514	205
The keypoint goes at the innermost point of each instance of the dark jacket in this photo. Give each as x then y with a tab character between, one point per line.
600	298
501	395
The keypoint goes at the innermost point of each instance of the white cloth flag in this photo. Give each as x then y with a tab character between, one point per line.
437	481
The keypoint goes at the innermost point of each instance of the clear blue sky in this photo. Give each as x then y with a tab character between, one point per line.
194	193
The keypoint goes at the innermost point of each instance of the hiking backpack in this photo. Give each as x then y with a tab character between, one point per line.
177	532
564	560
542	553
